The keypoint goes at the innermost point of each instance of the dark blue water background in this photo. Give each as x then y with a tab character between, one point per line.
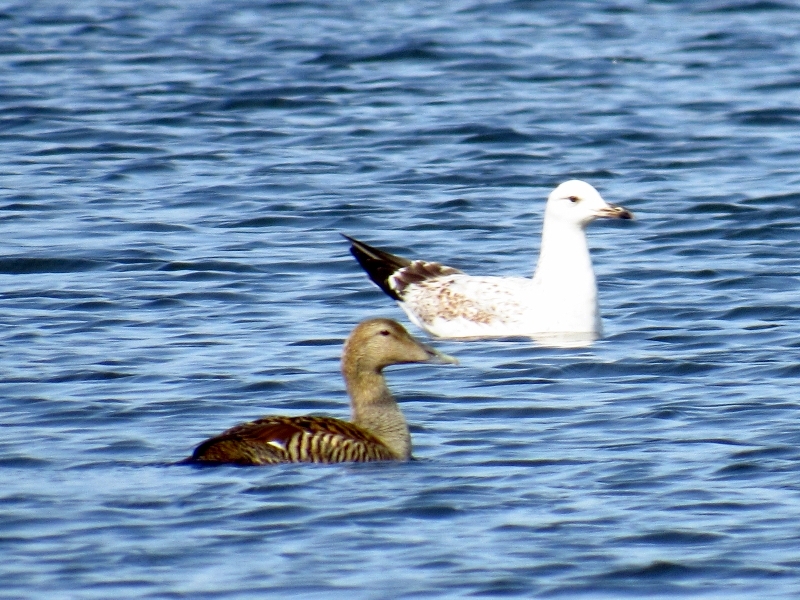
174	179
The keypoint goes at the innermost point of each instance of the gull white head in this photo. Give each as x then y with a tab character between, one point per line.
578	202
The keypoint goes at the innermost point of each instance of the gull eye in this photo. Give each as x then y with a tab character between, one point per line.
574	199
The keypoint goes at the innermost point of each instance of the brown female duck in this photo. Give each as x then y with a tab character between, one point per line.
378	430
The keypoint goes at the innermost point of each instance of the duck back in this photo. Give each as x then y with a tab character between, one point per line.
273	440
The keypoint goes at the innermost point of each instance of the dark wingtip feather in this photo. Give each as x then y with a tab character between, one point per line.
379	265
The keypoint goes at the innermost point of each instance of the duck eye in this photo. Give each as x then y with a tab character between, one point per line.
574	199
385	332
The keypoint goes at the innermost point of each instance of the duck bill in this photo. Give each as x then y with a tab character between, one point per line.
438	358
614	212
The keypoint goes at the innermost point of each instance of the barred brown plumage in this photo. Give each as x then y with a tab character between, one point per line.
378	430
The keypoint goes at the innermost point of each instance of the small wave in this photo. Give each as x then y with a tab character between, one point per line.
30	265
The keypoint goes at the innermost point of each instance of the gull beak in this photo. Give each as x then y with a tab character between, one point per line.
615	212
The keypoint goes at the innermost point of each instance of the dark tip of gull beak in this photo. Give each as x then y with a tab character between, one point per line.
616	212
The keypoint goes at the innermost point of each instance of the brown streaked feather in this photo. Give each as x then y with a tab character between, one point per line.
273	440
417	272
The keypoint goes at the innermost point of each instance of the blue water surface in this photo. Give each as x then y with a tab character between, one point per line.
173	183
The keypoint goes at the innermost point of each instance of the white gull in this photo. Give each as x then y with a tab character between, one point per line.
558	306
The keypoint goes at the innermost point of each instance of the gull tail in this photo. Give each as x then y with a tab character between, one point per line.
379	265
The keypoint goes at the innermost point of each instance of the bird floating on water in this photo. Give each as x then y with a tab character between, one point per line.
378	430
558	305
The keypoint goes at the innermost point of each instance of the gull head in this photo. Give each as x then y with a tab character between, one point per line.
578	202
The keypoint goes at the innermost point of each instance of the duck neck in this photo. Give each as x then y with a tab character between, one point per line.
374	408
